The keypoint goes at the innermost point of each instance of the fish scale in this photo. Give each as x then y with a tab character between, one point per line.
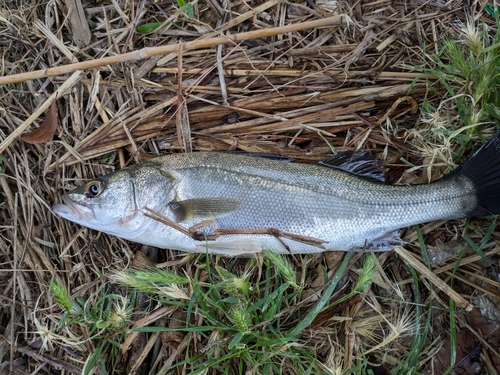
301	201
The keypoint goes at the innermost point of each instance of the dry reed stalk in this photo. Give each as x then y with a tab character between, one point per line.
155	51
243	17
469	260
298	122
111	135
341	74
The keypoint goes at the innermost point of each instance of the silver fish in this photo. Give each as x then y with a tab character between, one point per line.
235	205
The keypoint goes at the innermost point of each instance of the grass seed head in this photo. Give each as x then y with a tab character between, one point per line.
49	338
173	291
150	281
397	325
61	295
283	265
368	328
472	37
237	286
121	312
240	318
367	274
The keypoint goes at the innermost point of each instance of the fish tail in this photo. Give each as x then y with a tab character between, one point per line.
483	170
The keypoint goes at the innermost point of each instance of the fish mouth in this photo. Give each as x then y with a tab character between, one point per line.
73	211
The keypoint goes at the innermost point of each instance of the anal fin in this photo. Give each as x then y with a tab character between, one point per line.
385	243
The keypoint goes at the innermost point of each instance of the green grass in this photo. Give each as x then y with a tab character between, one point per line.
248	317
244	321
104	316
249	320
187	9
468	69
422	319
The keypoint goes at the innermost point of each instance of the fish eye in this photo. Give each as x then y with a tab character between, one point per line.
93	189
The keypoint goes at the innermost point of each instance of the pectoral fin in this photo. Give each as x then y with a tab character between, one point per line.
203	208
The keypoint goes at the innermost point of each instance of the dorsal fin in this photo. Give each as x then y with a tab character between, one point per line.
261	155
360	163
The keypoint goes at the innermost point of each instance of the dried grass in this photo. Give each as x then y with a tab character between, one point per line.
285	95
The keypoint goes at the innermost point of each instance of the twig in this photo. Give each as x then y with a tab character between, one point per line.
200	236
165	220
274	232
171	48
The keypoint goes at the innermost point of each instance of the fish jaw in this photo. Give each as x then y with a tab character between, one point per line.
71	211
86	217
78	213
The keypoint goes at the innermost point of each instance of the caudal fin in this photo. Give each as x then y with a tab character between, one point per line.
483	169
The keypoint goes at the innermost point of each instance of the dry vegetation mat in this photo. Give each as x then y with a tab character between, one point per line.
88	87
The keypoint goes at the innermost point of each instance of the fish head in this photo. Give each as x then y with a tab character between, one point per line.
115	203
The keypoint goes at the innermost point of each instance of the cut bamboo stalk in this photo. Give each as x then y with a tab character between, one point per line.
172	48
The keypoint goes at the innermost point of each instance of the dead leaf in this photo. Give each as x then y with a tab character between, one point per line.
173	338
467	351
469	347
46	131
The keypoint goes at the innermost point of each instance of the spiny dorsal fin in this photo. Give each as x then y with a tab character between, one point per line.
261	155
360	163
203	208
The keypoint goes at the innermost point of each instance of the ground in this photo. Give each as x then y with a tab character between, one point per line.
413	82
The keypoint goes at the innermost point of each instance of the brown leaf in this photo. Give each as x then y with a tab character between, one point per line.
46	131
468	347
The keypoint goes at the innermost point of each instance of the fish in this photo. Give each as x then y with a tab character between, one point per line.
239	205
